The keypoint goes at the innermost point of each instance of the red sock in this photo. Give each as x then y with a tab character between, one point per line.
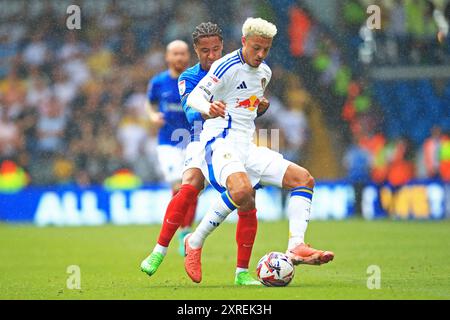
175	213
190	214
245	236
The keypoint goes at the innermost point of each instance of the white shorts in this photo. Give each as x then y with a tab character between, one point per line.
171	160
223	158
194	157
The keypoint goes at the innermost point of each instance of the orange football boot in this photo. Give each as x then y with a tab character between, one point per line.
192	261
304	254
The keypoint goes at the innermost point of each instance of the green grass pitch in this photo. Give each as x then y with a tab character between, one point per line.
413	257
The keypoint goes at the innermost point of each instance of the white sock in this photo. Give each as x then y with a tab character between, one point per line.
239	270
299	211
159	248
215	215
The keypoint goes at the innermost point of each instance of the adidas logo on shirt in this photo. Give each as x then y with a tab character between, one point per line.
242	85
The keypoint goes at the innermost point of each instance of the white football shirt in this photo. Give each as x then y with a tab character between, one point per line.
241	87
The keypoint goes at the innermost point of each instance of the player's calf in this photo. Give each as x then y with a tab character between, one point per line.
175	213
246	229
300	182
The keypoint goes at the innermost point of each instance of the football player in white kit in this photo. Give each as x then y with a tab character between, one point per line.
208	45
232	163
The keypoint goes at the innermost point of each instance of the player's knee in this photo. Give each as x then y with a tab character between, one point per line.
298	176
243	195
194	177
305	179
310	182
240	189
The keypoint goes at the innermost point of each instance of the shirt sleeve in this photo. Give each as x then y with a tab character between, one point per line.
185	87
191	114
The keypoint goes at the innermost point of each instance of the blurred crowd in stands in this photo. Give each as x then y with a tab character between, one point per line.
378	160
409	30
72	101
396	130
413	115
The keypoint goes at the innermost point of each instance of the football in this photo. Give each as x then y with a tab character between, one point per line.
275	269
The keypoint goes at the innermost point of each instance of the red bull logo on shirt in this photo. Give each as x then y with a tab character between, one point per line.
251	103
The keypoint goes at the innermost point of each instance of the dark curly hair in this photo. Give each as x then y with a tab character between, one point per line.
206	29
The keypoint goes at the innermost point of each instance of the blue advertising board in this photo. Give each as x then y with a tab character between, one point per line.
70	206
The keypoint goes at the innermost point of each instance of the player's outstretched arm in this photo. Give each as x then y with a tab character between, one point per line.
192	115
198	101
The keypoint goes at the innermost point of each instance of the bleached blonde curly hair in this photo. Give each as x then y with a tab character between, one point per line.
258	27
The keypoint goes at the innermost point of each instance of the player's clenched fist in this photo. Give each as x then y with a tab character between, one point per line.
263	106
217	109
